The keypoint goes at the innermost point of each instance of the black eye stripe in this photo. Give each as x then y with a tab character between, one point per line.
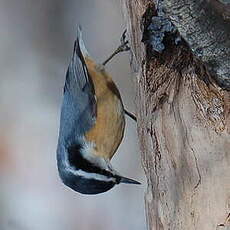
79	162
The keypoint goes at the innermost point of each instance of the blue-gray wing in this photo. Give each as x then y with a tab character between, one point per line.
78	113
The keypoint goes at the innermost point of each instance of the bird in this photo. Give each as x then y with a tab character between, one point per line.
92	124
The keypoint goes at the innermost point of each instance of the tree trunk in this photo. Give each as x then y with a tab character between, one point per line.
183	114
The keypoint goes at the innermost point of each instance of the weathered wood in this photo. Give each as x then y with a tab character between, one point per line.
207	33
184	133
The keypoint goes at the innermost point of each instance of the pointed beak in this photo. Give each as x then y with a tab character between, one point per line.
126	180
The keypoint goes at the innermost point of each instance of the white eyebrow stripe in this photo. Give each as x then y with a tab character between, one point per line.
89	175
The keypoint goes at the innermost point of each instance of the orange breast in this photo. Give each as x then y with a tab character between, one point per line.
109	127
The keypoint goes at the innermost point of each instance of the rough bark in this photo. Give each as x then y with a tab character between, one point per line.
206	28
184	132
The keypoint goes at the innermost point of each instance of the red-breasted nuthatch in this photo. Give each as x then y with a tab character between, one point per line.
91	126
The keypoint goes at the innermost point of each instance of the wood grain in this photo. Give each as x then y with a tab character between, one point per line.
183	127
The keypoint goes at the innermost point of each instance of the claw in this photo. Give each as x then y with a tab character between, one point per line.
123	37
124	43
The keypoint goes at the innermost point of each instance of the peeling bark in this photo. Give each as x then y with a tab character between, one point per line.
184	133
207	32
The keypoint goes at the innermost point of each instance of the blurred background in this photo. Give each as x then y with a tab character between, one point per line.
36	42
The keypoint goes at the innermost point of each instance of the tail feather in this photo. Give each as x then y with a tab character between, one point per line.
81	43
77	77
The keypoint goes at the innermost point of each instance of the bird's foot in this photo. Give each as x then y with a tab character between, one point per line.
121	48
124	42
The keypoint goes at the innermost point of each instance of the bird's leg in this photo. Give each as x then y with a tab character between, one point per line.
121	48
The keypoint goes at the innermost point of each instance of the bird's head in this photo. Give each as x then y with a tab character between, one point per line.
87	176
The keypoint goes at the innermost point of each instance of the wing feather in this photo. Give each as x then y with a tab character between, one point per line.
78	113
